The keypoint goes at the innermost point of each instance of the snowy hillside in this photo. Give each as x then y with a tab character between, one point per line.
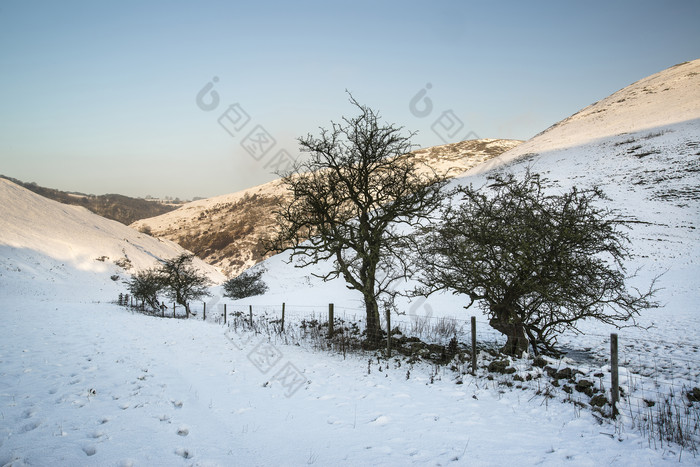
648	105
646	158
86	382
636	146
225	230
51	248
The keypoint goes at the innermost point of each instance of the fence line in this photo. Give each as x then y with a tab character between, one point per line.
649	380
627	351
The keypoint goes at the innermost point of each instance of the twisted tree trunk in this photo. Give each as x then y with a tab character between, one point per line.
506	322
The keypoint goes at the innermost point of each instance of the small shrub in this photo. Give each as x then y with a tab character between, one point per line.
245	285
145	286
124	263
445	327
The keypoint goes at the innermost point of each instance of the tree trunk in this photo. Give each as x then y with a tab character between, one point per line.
517	342
374	329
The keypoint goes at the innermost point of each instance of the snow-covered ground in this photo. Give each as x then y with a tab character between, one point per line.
92	384
86	382
55	250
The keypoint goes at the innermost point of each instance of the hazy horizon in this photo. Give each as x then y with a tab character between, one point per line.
197	100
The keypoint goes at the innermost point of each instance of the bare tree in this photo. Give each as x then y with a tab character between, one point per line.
353	199
182	281
536	262
145	286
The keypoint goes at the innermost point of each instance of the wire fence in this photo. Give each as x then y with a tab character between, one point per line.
659	380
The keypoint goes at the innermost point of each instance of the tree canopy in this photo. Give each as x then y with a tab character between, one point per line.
182	281
247	284
536	263
350	197
176	277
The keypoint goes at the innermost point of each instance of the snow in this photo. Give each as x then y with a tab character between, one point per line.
115	388
246	215
86	382
68	246
462	156
666	98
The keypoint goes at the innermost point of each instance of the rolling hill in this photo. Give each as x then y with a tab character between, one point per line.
120	208
84	382
46	242
641	145
226	231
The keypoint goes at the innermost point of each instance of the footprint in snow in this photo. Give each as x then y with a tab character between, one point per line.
90	450
381	420
30	427
186	453
183	431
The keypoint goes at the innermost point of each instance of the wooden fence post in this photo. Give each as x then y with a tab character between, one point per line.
173	309
330	320
251	315
204	312
388	334
614	375
224	313
474	345
282	322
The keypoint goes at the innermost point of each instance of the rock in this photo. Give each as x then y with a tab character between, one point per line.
501	366
599	400
539	362
564	373
567	389
694	395
585	387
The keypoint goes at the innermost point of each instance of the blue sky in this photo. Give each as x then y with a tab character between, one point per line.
101	97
